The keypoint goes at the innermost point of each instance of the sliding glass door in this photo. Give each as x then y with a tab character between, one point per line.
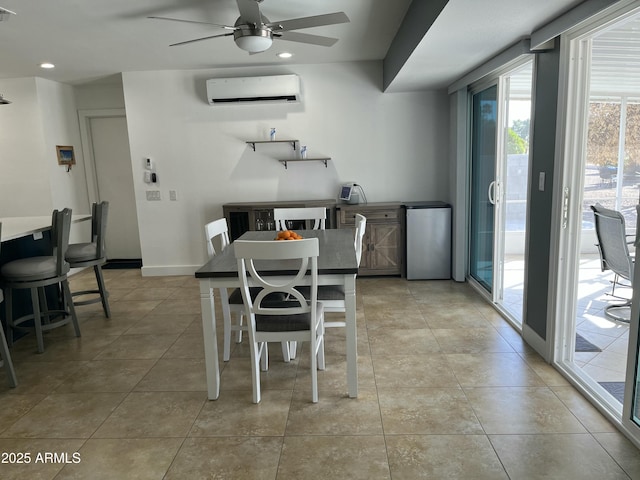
601	166
483	185
499	181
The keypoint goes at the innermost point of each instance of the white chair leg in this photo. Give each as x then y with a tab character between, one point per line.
255	371
320	354
285	352
226	315
240	323
314	374
293	349
265	356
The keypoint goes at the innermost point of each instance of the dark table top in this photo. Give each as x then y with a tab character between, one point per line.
337	255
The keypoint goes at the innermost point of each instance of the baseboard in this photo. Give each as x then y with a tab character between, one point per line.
536	342
119	263
169	270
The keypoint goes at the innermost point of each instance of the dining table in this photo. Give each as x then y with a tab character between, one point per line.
337	265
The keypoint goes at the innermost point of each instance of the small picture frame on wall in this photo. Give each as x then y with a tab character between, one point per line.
66	156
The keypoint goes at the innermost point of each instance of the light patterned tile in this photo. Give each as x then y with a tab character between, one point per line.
237	458
519	410
325	456
107	459
66	415
533	457
423	411
443	456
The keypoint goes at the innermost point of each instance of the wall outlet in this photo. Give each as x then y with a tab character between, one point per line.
173	195
153	195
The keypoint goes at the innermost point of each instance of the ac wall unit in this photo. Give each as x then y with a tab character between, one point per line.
253	90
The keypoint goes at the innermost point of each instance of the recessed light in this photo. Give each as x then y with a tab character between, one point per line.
47	65
284	55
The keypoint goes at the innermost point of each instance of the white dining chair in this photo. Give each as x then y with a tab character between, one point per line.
284	215
218	232
283	218
293	319
332	296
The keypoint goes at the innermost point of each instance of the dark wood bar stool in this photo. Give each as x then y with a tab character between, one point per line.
93	254
35	273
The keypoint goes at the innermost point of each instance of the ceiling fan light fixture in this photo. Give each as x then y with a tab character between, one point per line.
253	40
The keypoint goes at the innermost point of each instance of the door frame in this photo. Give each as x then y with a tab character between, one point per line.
84	118
573	122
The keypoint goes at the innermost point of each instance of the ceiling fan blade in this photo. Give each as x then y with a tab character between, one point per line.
308	22
249	11
193	21
200	39
306	38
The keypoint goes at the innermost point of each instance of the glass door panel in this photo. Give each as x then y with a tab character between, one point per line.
602	166
483	185
514	180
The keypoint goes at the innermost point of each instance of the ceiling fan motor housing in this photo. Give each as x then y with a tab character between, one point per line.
251	37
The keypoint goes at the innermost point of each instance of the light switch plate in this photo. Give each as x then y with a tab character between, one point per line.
153	195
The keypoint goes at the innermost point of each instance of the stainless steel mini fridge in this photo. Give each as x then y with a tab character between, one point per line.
428	240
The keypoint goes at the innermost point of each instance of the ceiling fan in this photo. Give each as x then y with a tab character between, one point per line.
254	33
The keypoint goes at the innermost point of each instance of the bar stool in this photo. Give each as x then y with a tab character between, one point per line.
5	356
35	273
93	254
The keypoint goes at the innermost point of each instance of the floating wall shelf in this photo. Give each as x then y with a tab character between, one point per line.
293	144
323	160
254	142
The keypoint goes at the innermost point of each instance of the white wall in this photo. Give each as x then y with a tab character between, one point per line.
60	127
394	145
42	115
102	94
24	177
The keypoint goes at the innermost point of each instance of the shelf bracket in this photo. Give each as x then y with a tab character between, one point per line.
253	145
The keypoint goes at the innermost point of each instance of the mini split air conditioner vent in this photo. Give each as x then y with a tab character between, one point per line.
253	90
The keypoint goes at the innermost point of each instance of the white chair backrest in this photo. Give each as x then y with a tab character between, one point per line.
361	226
305	251
317	214
213	230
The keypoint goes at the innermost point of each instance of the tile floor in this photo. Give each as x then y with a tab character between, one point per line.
447	390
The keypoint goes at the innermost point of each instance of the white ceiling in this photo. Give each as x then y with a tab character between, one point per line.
92	39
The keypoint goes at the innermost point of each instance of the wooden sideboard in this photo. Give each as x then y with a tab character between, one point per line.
383	249
383	245
250	216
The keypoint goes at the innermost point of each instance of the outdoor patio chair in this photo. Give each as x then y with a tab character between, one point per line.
614	254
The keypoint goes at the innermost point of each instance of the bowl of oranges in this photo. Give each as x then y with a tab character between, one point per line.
288	235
